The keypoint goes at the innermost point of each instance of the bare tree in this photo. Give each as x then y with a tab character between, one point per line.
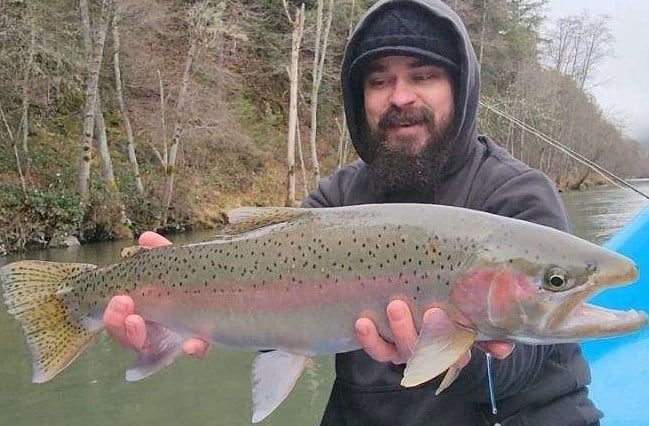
178	125
482	31
92	80
126	122
197	15
597	46
29	63
14	146
343	140
320	52
298	30
101	139
578	44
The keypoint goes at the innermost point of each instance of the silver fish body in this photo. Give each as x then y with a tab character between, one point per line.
296	280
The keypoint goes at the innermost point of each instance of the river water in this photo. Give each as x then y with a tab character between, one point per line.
215	390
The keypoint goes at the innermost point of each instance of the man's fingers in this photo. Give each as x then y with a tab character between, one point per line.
195	347
375	346
115	315
152	240
403	329
498	349
135	331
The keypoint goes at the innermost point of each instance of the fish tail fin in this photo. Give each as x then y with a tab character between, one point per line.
37	294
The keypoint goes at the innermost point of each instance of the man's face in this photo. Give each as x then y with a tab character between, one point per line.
409	109
407	101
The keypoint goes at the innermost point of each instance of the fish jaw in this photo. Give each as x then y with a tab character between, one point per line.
589	322
574	319
503	302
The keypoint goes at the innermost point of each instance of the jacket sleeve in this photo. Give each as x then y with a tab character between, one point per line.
527	196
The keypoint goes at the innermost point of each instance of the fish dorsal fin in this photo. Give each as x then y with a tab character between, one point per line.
246	219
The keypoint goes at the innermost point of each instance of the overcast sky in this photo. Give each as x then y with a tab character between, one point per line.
622	81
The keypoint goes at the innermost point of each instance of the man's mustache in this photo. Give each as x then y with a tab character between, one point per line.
396	117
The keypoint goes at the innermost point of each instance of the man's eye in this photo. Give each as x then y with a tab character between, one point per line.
423	77
376	82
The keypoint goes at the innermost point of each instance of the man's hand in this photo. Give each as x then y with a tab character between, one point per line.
405	337
128	328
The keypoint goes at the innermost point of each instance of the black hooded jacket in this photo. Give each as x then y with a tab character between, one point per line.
536	385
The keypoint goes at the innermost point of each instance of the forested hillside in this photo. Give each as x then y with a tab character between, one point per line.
122	116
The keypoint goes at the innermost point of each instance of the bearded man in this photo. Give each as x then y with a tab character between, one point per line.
411	83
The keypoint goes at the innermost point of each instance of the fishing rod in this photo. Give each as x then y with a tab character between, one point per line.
611	177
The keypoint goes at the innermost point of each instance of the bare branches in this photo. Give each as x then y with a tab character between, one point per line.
578	45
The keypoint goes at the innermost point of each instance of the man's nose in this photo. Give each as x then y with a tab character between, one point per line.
403	94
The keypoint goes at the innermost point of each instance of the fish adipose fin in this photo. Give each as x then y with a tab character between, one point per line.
163	346
441	344
37	295
274	375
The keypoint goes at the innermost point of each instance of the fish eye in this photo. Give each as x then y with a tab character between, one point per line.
556	279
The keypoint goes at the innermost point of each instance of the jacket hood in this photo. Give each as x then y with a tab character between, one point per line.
467	80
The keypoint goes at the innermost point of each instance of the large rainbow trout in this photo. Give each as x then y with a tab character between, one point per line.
296	280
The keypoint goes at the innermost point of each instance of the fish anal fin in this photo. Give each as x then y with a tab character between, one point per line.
441	344
162	347
274	375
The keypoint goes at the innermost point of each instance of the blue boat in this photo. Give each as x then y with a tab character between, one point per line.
620	366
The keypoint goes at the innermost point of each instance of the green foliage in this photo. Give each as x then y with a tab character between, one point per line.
32	219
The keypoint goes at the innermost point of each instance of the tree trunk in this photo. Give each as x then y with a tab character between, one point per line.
126	122
163	158
102	144
343	142
92	80
298	30
319	55
180	112
24	122
15	150
300	155
482	32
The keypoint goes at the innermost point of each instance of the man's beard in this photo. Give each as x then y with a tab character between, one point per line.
396	172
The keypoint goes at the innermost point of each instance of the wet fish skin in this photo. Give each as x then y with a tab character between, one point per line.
297	279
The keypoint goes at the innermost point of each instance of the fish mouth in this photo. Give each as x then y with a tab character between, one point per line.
575	319
589	321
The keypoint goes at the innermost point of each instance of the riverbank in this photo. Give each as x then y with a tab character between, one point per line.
51	219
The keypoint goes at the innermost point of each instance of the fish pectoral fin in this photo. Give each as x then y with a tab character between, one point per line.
274	375
162	347
451	374
441	344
